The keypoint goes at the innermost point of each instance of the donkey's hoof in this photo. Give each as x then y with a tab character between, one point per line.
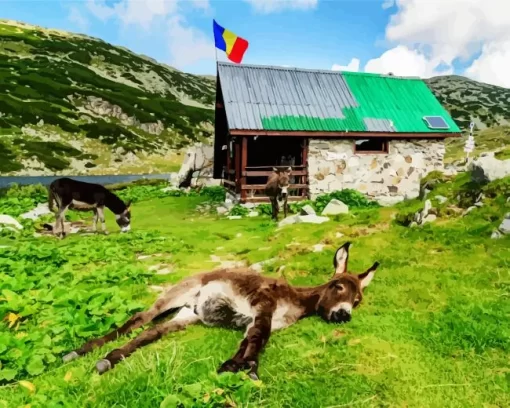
102	366
73	355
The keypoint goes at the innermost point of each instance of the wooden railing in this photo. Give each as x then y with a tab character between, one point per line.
298	189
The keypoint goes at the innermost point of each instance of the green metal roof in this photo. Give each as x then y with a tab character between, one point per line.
291	99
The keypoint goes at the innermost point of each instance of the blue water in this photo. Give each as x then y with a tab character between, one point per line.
46	180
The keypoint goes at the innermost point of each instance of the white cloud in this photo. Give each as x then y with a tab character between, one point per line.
77	18
450	30
187	45
274	6
388	3
492	65
99	9
403	61
352	66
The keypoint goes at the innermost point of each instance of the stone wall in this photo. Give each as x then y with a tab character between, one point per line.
388	178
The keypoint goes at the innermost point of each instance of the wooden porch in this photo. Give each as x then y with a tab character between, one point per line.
249	181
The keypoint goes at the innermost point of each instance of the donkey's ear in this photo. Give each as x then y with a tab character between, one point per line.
275	169
341	257
289	169
366	277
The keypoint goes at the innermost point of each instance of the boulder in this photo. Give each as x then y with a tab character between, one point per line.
298	219
307	210
252	214
221	210
9	222
505	225
335	207
197	167
487	168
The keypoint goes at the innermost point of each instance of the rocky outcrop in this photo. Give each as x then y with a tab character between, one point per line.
197	167
428	214
307	219
487	168
387	178
101	107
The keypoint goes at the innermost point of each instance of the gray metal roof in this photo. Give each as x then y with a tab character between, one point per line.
253	92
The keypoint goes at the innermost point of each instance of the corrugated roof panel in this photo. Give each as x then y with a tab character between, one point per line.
278	98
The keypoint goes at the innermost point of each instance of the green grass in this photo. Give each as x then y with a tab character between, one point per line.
433	329
488	140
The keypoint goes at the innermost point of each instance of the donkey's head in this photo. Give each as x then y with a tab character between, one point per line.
124	218
344	291
283	180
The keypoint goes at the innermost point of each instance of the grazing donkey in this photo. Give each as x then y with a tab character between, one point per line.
69	193
239	298
277	190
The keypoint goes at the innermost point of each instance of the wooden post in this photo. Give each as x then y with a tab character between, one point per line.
304	179
237	158
228	158
244	163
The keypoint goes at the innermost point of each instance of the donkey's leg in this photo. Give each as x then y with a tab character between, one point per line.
60	220
285	207
274	207
96	219
100	212
176	297
247	356
184	318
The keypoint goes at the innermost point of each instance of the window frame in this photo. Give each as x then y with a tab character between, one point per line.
385	150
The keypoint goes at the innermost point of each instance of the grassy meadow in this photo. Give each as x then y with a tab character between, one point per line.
433	329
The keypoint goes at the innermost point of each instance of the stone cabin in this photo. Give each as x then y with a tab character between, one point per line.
378	134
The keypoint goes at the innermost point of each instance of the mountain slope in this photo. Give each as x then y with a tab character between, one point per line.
75	104
467	100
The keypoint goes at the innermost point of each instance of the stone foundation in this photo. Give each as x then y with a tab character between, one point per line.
387	178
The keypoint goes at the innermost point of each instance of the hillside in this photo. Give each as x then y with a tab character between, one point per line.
73	104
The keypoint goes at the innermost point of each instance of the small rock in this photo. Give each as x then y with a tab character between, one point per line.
10	221
164	271
441	199
293	219
427	207
252	214
307	210
468	210
505	225
40	210
221	210
239	235
413	224
157	288
429	218
339	235
479	204
311	219
235	217
318	247
228	204
141	257
496	234
249	206
259	266
335	207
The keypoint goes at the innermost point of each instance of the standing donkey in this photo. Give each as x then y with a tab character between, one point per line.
277	191
69	193
239	298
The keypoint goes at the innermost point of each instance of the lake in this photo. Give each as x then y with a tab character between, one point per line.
109	179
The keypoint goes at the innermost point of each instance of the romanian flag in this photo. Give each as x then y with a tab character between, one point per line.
227	41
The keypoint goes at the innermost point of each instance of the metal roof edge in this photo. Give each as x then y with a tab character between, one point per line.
321	71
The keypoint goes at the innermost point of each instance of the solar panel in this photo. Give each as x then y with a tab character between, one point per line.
436	122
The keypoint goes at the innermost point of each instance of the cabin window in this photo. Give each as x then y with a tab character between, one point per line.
372	145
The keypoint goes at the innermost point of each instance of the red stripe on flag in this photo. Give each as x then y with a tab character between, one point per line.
238	50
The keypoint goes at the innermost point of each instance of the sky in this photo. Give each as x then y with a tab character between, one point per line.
406	37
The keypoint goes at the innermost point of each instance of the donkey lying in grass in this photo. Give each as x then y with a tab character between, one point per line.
69	193
277	191
239	298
